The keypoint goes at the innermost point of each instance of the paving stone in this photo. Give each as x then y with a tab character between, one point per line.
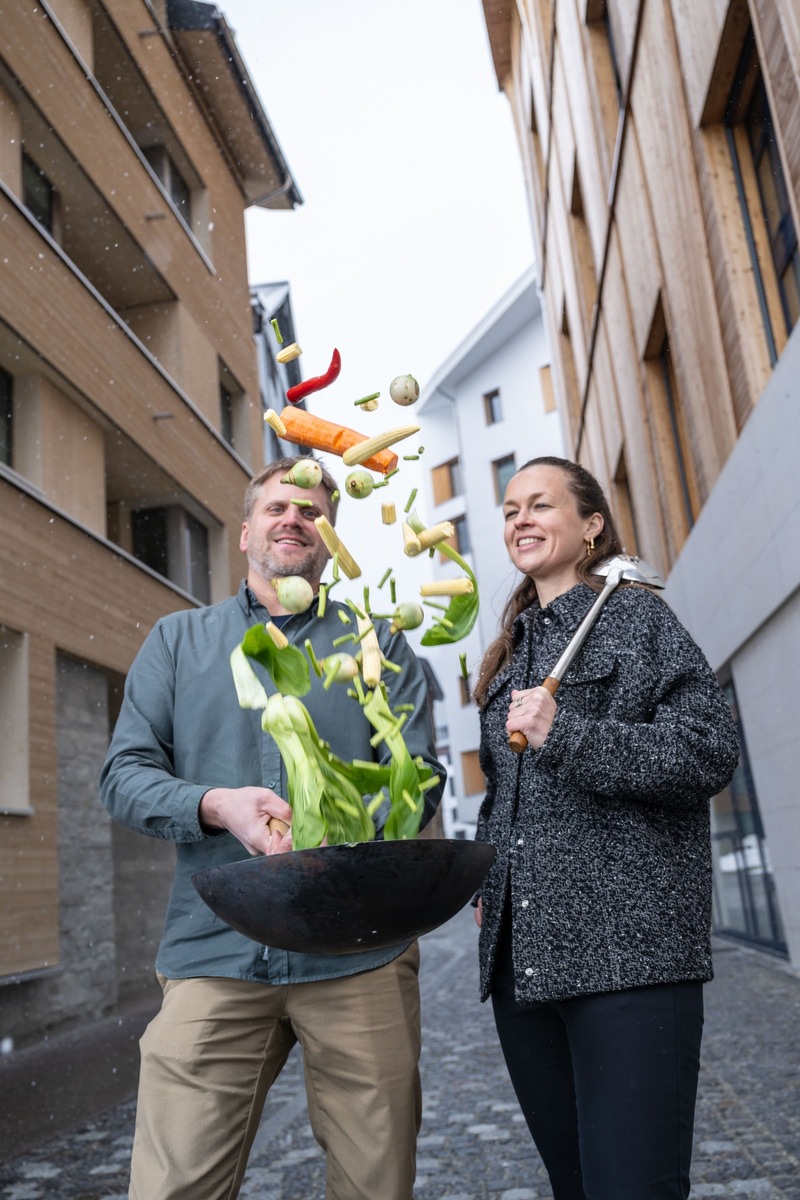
474	1144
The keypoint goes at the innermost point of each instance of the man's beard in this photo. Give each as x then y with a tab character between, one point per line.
309	565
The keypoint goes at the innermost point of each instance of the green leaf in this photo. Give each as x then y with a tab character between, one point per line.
288	667
462	611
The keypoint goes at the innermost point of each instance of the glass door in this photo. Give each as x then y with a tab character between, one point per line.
745	900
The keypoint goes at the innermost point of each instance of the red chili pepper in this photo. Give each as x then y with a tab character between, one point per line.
301	390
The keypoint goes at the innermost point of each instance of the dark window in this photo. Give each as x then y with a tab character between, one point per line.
745	901
38	193
462	542
775	201
493	409
612	52
6	416
764	201
679	440
503	470
175	544
176	186
226	407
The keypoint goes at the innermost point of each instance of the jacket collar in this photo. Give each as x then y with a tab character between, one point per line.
567	611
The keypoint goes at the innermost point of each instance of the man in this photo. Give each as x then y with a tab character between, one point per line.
188	764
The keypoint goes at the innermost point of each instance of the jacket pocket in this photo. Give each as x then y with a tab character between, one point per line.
588	685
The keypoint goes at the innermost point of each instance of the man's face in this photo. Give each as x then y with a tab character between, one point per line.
280	538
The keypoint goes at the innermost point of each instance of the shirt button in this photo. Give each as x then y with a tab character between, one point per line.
529	970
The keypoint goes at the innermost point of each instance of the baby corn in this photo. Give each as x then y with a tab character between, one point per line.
411	543
388	514
371	661
448	587
428	537
274	422
288	353
278	636
337	547
364	450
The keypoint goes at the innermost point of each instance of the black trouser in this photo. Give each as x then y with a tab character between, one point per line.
607	1084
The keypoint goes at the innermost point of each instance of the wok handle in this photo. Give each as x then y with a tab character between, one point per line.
517	740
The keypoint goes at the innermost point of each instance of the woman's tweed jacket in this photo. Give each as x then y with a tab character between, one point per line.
602	834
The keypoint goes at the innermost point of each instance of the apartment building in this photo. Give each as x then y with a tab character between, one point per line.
487	410
130	421
661	150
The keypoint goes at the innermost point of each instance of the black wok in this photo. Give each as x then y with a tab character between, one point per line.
342	899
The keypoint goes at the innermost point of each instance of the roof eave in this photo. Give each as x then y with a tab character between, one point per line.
497	14
218	71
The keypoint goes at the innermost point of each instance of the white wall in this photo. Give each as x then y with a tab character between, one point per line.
455	425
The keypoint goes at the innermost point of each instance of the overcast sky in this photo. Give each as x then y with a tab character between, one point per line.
414	221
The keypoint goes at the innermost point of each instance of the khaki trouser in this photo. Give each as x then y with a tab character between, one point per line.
217	1045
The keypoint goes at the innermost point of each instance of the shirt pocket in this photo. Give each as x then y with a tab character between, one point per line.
590	682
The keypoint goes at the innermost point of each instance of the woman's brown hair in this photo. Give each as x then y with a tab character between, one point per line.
589	498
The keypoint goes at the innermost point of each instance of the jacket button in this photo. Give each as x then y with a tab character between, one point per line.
520	841
547	620
529	970
524	903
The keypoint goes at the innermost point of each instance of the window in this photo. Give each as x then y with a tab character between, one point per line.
492	408
623	505
175	185
745	903
582	248
6	416
502	470
233	412
175	544
670	434
226	414
460	539
546	384
38	193
569	376
764	201
471	773
465	690
14	782
446	480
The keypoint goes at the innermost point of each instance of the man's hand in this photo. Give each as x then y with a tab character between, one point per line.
246	813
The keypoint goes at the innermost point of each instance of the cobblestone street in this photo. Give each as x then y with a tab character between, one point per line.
474	1145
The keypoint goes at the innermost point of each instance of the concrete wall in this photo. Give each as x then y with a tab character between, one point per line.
736	585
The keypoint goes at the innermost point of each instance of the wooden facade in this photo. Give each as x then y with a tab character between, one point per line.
129	378
660	141
651	224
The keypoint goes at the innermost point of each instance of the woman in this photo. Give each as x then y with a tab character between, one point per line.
595	917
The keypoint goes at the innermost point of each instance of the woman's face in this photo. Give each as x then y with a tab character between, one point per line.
545	535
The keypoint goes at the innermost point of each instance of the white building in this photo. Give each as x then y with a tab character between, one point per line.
487	410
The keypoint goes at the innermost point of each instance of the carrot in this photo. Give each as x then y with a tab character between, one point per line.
305	429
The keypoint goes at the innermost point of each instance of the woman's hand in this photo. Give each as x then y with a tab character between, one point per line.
531	712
